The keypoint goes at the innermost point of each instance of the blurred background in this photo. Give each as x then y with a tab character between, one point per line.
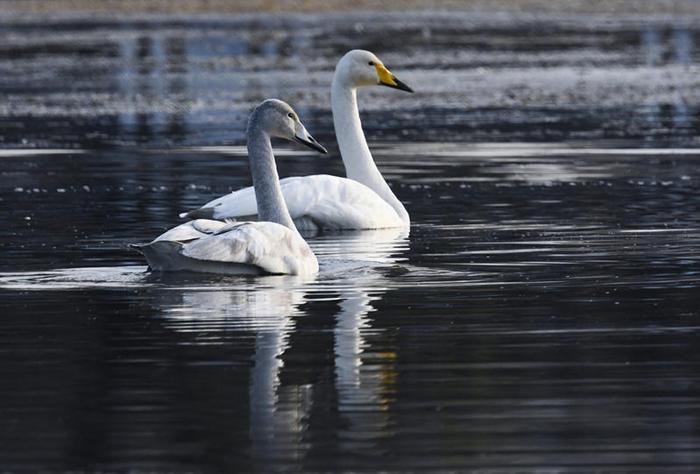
81	73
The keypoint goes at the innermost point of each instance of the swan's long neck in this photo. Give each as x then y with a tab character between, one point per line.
358	161
268	193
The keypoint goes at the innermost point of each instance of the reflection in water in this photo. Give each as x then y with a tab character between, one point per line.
169	80
76	278
651	46
270	307
177	90
666	45
683	45
364	390
269	312
144	68
518	302
154	70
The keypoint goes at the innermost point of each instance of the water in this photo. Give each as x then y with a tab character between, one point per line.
542	314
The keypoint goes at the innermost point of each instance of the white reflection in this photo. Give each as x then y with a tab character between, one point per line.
351	322
352	268
266	419
369	247
364	389
269	306
258	308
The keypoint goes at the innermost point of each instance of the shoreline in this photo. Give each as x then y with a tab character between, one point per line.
571	7
467	20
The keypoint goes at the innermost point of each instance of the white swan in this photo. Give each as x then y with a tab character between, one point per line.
363	200
271	245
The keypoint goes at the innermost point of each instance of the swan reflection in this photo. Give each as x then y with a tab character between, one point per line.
364	389
272	308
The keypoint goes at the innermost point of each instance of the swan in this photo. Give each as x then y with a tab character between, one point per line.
363	200
271	245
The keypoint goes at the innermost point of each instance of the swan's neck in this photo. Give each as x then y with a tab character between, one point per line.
268	193
358	161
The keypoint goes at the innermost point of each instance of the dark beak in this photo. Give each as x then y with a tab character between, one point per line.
397	85
311	143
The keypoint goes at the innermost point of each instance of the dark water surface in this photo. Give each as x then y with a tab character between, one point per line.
541	316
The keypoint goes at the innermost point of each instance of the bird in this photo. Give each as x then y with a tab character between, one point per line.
270	245
362	200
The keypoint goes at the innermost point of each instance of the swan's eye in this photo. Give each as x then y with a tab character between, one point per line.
290	115
371	63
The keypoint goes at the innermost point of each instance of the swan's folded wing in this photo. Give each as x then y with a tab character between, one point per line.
209	226
236	204
242	202
272	247
330	201
341	203
191	230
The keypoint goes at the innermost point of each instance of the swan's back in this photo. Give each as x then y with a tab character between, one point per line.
331	202
231	248
339	203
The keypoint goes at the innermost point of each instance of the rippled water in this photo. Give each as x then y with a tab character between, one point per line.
542	314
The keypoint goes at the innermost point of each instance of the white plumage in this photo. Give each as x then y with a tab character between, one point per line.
317	201
273	245
231	247
363	200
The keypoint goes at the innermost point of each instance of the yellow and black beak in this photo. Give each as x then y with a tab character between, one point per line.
386	78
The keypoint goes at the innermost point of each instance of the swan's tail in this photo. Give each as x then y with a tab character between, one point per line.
161	254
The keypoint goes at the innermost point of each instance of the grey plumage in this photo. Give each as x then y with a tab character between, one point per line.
272	245
266	181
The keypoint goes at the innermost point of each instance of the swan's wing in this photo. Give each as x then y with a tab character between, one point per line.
236	204
191	230
341	203
329	201
333	202
272	247
164	252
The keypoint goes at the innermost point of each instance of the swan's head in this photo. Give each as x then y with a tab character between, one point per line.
362	68
278	119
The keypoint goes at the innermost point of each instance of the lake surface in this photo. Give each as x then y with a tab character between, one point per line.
540	316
